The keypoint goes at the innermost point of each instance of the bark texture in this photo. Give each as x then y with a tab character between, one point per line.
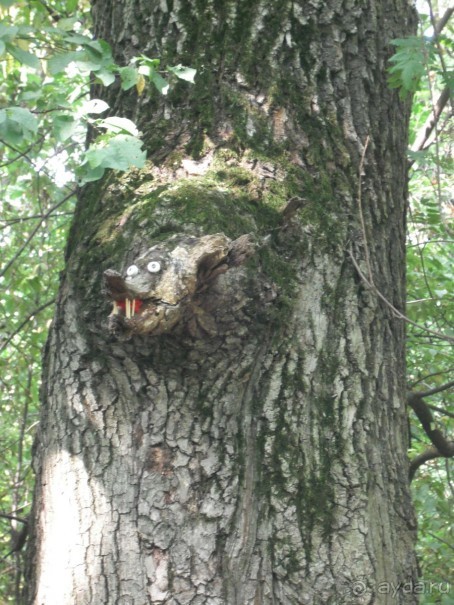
260	458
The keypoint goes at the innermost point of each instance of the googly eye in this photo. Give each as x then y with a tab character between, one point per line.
132	270
154	266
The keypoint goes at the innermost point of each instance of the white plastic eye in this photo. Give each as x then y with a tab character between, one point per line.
154	266
132	270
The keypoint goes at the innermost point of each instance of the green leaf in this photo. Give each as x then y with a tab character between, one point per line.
86	174
59	62
67	24
184	73
23	56
78	39
2	47
106	76
24	117
417	156
119	152
161	84
99	47
411	73
71	5
409	62
129	77
8	32
65	125
151	63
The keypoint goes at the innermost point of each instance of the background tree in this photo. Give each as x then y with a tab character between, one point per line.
192	167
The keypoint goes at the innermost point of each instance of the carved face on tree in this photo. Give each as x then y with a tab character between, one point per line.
154	293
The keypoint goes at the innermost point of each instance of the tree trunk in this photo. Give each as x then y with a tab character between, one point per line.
242	438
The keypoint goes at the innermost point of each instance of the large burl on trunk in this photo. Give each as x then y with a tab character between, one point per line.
223	417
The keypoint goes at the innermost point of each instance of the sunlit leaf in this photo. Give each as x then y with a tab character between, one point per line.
94	106
107	77
115	124
184	73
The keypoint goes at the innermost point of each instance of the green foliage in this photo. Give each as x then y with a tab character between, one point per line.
68	50
48	61
409	62
423	66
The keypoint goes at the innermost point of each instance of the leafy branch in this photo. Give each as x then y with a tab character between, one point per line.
118	145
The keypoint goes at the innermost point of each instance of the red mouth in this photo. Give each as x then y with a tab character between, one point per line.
129	306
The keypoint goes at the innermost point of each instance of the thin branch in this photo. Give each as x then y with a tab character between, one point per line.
439	25
54	16
431	241
13	221
35	230
396	312
443	387
440	410
25	321
431	122
437	183
13	518
422	300
440	539
20	154
360	208
370	281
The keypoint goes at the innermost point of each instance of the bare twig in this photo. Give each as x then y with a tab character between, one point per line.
431	122
435	408
20	154
443	387
13	221
6	342
360	208
439	25
395	311
35	230
11	517
440	539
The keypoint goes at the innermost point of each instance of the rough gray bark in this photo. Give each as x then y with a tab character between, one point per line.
260	458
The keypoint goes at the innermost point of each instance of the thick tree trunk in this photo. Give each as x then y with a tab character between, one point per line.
252	448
